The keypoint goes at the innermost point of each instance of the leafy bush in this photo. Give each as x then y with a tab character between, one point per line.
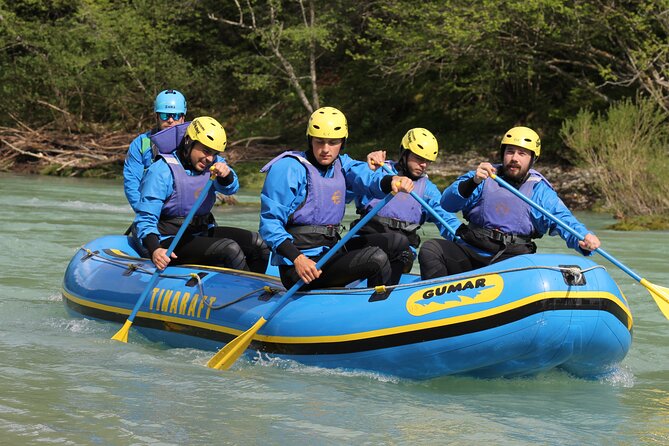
628	148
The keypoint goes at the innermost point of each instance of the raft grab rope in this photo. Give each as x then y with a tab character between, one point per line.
574	271
268	291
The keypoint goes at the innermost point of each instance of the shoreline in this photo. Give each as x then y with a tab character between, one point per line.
49	152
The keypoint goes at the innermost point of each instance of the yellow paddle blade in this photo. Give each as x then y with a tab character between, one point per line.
122	334
234	349
660	295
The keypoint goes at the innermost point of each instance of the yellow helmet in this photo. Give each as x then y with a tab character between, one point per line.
421	142
523	137
209	132
327	122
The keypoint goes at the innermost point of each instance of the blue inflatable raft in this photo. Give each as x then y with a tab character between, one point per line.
518	317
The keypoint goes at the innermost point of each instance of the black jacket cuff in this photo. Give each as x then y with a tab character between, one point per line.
151	242
466	188
387	184
288	250
226	180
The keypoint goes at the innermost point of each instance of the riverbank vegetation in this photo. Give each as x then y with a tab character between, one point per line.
627	147
89	70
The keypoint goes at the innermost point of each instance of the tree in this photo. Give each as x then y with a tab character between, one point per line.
86	61
536	61
289	39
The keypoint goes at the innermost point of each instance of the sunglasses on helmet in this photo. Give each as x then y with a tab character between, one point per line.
174	116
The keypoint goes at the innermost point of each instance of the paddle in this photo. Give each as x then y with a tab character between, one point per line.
426	206
122	334
659	294
234	349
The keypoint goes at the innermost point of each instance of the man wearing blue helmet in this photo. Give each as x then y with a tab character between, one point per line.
170	109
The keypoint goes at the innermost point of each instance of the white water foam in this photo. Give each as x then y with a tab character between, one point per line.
79	205
621	377
265	360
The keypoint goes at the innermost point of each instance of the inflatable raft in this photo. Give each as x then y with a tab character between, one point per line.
518	317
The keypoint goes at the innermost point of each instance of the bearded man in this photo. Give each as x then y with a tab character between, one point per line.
500	225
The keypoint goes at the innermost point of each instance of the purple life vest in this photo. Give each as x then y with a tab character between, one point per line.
325	203
403	207
187	188
499	209
167	140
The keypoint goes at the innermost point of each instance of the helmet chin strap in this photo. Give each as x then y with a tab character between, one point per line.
312	157
402	161
184	150
403	167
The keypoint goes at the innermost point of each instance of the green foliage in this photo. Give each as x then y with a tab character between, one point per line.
627	147
642	223
465	70
249	175
443	182
91	64
490	65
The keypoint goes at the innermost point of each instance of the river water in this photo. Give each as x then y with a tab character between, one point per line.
63	381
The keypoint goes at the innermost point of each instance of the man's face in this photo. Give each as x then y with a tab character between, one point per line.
201	157
516	162
417	165
167	120
326	150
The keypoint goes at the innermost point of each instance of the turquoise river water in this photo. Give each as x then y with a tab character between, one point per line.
63	381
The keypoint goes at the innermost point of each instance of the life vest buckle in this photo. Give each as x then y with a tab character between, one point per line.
332	230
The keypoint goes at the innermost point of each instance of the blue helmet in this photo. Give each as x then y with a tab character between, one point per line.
170	101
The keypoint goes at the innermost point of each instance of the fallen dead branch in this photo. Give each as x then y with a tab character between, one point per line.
38	150
32	150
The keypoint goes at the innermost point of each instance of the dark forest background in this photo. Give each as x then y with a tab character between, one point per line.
466	70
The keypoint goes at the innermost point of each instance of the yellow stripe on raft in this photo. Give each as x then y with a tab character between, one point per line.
447	321
153	316
372	333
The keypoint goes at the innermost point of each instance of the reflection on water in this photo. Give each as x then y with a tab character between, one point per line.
64	381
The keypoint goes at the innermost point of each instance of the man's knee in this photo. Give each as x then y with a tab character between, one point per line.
227	253
399	249
431	249
259	248
371	260
399	242
376	256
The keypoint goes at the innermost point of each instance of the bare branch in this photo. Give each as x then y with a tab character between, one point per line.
312	56
19	122
65	112
263	114
130	66
292	77
250	139
271	37
240	24
578	81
